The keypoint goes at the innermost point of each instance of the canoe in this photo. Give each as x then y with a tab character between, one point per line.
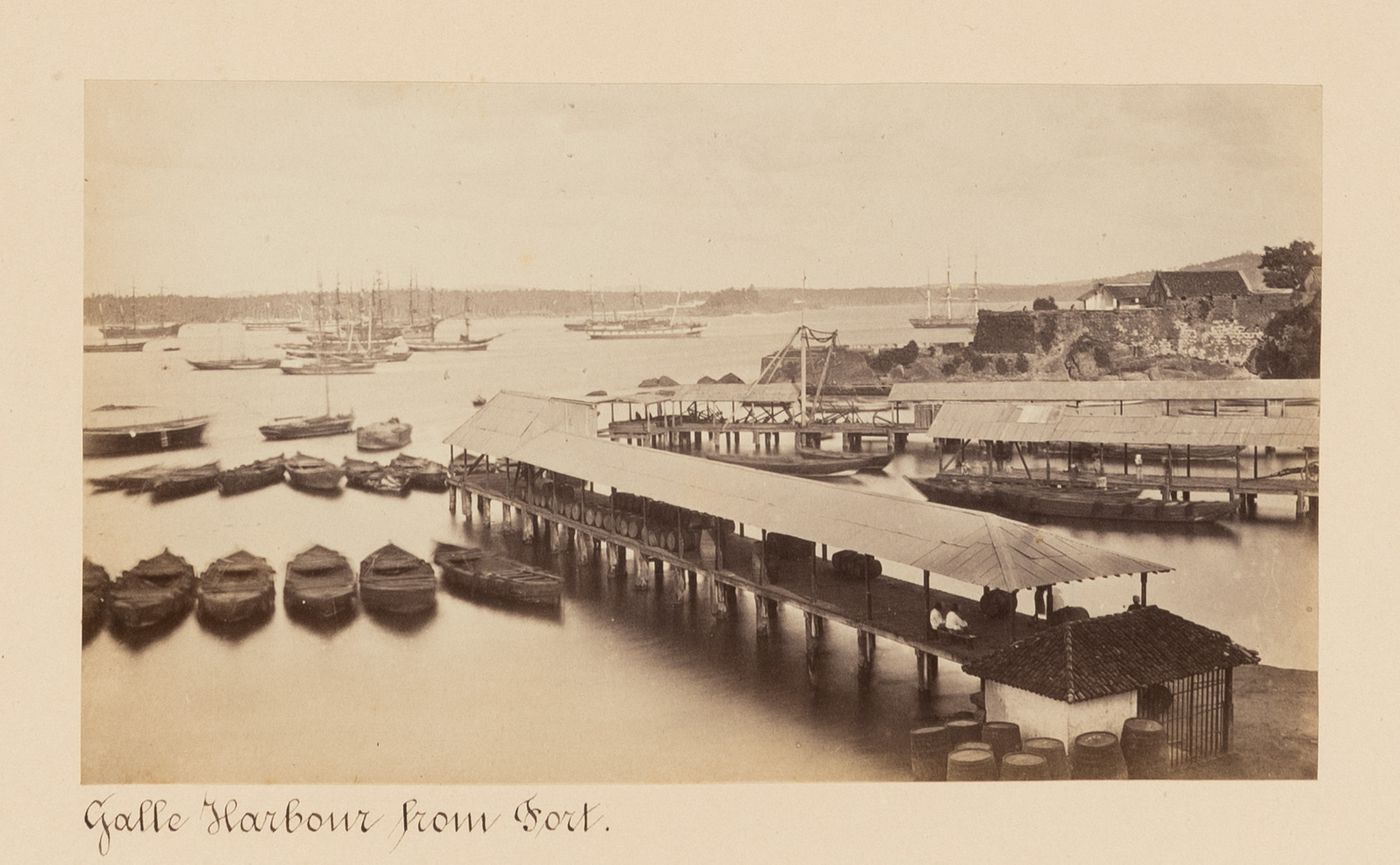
236	588
133	481
320	584
96	584
481	575
386	436
805	463
308	427
252	476
393	580
986	494
313	474
422	474
159	589
1096	506
236	364
180	482
372	477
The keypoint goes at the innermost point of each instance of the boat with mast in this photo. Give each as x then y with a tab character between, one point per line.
643	326
947	320
465	342
125	345
310	426
240	361
149	331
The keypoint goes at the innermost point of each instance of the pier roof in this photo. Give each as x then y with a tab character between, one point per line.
1072	391
1049	423
776	393
1107	655
969	546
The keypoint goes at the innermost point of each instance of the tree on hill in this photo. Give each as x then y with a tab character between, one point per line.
1291	346
1287	266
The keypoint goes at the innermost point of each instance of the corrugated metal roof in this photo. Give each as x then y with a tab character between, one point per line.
1010	422
969	546
1106	655
1071	391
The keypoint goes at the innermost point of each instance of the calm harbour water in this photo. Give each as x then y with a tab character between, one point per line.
625	685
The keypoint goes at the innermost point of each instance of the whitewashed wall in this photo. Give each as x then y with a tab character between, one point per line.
1042	716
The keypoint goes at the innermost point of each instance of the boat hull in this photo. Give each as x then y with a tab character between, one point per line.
307	428
320	480
481	576
148	331
805	466
232	607
235	365
185	482
105	442
1024	499
244	479
103	348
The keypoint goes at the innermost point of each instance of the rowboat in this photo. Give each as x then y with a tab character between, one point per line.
307	427
985	494
478	574
313	474
133	481
806	462
236	588
252	476
1043	500
320	584
386	436
372	477
159	589
393	580
186	481
96	584
236	363
422	474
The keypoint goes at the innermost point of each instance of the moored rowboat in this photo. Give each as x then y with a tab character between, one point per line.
157	590
236	588
479	574
96	584
313	473
181	482
253	476
393	580
320	584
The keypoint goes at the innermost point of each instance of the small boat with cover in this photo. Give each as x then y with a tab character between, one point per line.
422	474
393	580
236	588
252	476
96	584
480	574
313	474
386	436
320	584
158	590
372	477
186	481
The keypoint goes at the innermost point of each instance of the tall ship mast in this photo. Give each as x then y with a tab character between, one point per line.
930	321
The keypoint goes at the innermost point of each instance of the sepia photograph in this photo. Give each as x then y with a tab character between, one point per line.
746	433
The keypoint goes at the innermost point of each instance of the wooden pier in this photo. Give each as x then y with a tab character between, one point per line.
539	464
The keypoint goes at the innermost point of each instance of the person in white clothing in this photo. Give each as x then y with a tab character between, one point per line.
935	616
953	622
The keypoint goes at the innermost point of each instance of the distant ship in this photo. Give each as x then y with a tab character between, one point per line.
643	326
947	320
140	331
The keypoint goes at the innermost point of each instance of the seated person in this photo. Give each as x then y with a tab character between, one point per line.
954	622
935	616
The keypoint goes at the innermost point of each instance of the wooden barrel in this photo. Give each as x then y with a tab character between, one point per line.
1003	736
965	730
1144	744
1053	750
1097	757
928	753
971	764
974	746
670	541
650	537
607	521
1020	766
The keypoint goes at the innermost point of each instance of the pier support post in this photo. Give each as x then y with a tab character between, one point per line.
691	578
863	655
809	629
483	508
921	671
619	561
760	615
818	625
720	594
1312	507
1300	506
452	502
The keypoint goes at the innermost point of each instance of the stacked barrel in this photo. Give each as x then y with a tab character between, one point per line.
965	749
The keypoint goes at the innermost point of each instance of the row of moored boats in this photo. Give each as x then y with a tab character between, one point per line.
320	585
303	472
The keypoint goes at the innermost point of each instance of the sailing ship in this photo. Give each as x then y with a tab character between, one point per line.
465	342
149	331
947	320
125	345
643	326
319	425
240	361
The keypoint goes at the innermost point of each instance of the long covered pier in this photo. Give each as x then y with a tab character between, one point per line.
1170	440
538	465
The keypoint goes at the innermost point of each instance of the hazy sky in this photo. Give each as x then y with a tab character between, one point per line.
230	188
